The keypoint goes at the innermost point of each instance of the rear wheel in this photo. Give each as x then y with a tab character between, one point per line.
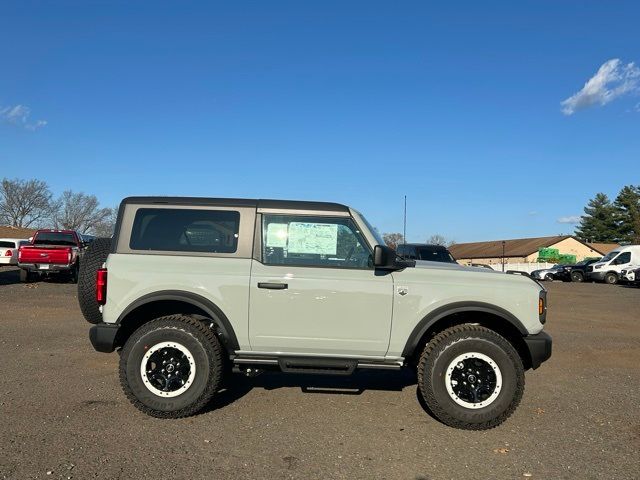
26	276
548	277
577	277
471	377
172	366
611	278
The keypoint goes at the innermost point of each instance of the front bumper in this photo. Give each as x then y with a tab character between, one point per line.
103	336
539	347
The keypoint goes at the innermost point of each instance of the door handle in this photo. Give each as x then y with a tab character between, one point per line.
273	286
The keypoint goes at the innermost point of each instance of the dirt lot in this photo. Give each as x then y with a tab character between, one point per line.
64	415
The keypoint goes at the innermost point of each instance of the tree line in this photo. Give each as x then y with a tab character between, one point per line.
30	204
616	221
394	239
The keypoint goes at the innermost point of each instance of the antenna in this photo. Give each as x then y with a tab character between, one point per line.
404	230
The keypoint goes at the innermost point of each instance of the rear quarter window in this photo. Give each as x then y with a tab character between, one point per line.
185	230
6	244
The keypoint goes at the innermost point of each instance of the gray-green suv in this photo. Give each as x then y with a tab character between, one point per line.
191	289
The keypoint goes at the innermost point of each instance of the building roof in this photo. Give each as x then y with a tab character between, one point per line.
15	232
603	248
520	247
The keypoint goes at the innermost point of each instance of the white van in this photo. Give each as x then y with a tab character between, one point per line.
610	267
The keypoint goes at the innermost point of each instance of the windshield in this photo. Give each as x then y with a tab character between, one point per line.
435	255
54	238
373	231
609	256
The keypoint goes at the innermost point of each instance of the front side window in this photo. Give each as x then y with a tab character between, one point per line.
313	242
623	258
185	230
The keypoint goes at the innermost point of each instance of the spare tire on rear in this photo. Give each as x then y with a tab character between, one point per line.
93	258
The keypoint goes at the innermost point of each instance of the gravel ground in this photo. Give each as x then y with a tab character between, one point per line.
64	415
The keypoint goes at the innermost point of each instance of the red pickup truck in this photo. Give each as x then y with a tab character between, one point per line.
51	252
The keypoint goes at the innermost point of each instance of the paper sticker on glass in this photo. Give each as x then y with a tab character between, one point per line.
317	238
277	235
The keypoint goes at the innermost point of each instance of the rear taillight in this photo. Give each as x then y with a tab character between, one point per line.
20	255
101	286
69	256
8	253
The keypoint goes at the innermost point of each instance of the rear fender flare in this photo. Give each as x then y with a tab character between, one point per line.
211	309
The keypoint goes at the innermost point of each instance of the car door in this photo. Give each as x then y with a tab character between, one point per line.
621	261
314	290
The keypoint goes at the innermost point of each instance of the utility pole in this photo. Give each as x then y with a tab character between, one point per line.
503	244
404	230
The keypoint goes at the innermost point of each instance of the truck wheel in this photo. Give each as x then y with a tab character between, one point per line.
73	275
172	366
24	276
470	377
577	277
611	278
92	260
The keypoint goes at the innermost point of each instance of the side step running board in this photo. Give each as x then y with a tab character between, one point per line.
329	366
317	365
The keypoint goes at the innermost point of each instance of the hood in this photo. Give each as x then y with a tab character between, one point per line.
453	266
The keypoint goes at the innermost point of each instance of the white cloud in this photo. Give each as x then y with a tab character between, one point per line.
19	115
612	80
572	219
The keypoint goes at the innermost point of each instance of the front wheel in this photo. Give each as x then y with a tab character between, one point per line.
548	277
172	366
470	377
577	277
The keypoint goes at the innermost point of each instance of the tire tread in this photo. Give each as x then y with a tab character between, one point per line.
202	333
468	331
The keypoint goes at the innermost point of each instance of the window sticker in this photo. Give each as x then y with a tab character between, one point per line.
316	238
277	235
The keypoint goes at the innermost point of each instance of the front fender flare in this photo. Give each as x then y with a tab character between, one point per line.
459	307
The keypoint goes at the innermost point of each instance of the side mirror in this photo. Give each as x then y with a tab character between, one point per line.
385	258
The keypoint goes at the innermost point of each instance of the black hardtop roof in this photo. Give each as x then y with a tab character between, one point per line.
240	202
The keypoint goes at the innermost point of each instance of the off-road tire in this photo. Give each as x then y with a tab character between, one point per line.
611	278
208	357
442	349
93	258
577	277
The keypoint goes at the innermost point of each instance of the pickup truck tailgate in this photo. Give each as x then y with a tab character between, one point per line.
53	255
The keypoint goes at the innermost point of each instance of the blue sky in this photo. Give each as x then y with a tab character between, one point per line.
457	106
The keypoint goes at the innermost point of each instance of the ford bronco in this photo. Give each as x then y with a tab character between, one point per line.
190	289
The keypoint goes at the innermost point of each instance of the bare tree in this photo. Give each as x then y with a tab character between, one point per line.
393	239
79	211
438	239
107	226
24	203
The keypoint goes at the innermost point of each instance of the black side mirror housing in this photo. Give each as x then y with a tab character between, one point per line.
385	258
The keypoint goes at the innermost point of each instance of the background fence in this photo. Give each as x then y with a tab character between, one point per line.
522	267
